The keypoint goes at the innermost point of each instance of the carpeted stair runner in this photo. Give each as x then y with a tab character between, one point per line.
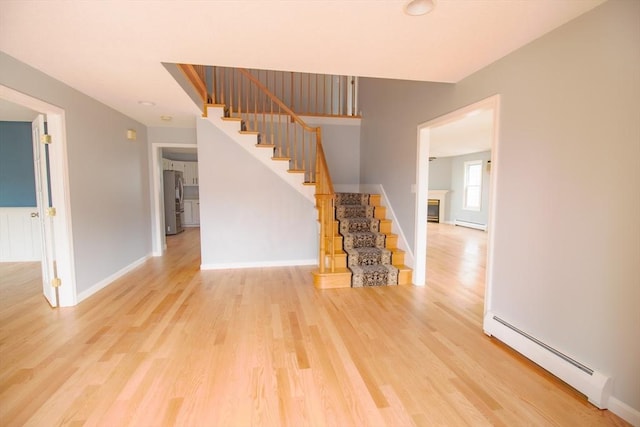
367	257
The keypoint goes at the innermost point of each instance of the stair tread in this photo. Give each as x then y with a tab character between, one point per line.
249	132
231	119
281	158
296	171
373	260
266	146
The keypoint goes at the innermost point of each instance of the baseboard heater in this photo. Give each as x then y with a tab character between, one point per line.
469	224
596	386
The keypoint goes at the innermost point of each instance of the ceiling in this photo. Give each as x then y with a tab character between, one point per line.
10	112
113	50
471	133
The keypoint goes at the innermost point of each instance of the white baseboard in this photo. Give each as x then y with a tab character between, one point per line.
468	224
624	411
107	281
258	264
409	258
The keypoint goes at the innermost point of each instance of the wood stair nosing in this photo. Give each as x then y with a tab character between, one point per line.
380	212
397	257
391	241
374	199
231	119
265	145
249	132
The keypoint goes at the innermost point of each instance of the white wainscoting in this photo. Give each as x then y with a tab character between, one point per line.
19	235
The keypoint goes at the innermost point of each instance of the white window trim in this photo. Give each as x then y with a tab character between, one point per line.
464	190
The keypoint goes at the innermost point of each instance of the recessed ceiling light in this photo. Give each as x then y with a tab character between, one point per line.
166	118
147	103
419	7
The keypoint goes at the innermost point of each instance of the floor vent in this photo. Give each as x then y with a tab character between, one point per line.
596	386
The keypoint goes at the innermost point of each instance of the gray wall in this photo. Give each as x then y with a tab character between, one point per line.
440	173
108	176
172	135
248	215
17	178
341	145
567	235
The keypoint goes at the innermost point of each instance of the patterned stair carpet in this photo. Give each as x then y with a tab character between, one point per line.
367	257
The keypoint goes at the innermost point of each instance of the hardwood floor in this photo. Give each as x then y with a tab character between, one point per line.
172	345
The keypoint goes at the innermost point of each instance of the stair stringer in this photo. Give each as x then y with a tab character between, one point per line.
231	128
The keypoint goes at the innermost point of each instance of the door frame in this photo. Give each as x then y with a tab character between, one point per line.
422	188
62	225
159	240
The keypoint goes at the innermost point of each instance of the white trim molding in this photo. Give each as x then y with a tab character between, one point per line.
403	244
108	280
624	411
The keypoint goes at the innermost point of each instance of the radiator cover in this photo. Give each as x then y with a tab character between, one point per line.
596	386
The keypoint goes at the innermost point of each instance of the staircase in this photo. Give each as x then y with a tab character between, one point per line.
356	246
254	144
366	251
372	253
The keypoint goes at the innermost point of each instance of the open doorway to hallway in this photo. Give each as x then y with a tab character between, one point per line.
457	176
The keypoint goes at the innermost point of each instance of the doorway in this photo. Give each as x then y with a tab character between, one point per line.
57	250
425	137
158	235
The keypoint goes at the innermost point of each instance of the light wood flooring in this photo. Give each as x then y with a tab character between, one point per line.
172	345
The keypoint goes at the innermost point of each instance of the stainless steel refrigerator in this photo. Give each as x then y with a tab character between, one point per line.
173	202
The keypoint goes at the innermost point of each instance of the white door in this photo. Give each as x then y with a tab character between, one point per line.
45	213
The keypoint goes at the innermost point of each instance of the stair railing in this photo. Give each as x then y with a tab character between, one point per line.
312	94
246	98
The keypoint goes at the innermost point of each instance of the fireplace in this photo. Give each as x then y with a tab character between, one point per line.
437	206
433	210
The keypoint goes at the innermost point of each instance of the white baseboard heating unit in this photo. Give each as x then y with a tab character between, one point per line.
469	224
596	386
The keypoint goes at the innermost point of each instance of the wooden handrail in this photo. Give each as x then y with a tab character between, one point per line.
275	99
195	75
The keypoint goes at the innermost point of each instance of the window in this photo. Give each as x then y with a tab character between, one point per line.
472	185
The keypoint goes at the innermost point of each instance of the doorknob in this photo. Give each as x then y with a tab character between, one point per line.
35	214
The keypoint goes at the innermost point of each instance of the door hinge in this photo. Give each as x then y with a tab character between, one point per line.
56	282
51	211
45	139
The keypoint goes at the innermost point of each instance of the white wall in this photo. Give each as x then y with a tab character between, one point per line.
108	175
567	235
248	215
